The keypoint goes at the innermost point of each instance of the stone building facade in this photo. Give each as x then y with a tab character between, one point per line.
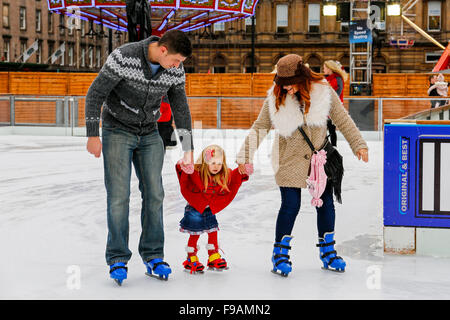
299	26
25	21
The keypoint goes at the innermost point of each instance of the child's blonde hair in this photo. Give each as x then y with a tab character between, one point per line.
336	67
201	165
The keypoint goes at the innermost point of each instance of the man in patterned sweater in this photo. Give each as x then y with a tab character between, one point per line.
129	87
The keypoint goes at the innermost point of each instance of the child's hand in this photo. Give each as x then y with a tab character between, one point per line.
187	168
246	168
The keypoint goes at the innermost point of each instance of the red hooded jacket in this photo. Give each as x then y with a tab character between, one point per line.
165	111
193	190
333	80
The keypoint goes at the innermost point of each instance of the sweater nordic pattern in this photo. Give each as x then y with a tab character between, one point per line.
131	96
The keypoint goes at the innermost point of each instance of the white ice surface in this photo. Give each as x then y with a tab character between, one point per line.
52	217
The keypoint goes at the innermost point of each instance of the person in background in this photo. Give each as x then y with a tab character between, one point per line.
165	127
336	76
438	88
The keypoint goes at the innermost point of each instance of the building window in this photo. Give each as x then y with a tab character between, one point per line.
219	26
5	15
83	28
83	57
50	22
6	50
434	15
248	25
51	47
282	18
62	24
70	28
23	47
38	21
70	53
39	53
98	57
63	58
432	57
314	17
23	18
314	63
91	56
189	65
248	64
219	64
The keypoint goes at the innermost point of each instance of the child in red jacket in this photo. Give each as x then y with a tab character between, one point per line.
208	186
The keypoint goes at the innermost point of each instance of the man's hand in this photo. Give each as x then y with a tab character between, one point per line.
363	154
94	146
187	163
188	157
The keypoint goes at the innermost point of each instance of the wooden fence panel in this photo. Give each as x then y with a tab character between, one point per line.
23	83
5	111
396	109
81	119
235	85
262	83
4	82
203	112
239	113
35	112
401	84
79	83
389	85
226	85
53	84
204	85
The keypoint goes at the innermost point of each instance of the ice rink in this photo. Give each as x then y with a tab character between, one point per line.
53	232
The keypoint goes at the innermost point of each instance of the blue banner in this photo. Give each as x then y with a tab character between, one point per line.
359	32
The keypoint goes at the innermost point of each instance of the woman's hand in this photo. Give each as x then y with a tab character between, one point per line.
363	154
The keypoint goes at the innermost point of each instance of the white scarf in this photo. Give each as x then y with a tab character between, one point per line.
290	116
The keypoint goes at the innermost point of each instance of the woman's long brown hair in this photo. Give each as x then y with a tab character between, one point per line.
222	177
303	85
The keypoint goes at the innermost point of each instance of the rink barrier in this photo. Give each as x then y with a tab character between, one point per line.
416	185
210	112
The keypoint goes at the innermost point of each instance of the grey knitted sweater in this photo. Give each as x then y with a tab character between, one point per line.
131	96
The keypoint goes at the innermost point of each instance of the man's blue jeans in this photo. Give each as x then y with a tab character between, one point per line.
290	206
120	150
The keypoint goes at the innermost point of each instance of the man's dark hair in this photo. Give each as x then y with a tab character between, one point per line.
431	77
176	41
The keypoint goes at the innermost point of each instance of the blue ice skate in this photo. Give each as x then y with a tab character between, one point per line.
118	272
330	260
160	269
280	259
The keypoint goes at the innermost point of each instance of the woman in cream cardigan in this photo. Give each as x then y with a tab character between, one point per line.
300	98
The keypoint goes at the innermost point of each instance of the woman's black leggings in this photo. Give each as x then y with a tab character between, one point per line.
290	206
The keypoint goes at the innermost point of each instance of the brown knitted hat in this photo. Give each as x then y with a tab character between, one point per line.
289	69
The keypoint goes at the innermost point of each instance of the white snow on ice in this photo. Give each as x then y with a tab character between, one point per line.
53	224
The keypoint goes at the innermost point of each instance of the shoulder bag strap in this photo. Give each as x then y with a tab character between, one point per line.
306	138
